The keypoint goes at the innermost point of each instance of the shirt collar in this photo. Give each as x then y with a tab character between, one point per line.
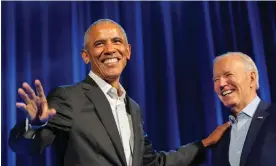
105	87
249	110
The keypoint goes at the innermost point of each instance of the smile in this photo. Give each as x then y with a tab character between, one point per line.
227	92
110	61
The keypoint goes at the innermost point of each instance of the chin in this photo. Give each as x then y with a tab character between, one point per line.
112	74
228	103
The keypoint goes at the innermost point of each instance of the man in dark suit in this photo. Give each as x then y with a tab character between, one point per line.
251	139
94	122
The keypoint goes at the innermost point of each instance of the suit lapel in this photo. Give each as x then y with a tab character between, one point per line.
226	144
133	111
256	123
105	115
223	153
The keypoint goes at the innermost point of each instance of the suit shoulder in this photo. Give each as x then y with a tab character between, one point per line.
269	108
64	88
71	87
272	109
133	102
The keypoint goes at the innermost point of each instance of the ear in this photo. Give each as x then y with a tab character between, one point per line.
129	52
85	56
253	79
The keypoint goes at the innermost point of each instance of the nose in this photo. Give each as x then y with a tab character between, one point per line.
109	49
222	83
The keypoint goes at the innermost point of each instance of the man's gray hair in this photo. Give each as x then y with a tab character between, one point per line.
86	38
249	63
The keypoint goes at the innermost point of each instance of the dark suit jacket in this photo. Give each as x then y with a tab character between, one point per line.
84	132
260	143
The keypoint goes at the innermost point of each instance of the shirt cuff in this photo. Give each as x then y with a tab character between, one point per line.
34	127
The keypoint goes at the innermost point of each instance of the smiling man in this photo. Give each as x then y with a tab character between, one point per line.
94	122
106	47
251	141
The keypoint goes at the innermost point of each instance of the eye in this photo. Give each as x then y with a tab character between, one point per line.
98	44
216	80
228	74
117	41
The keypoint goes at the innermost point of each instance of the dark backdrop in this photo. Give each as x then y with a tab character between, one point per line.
170	71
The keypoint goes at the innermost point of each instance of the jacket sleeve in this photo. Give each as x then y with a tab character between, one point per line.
34	141
192	153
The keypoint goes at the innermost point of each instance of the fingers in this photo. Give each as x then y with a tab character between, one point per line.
24	96
28	94
39	90
51	113
224	126
35	106
27	109
21	105
227	124
29	90
46	112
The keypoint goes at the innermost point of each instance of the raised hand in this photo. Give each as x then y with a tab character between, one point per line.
35	106
216	135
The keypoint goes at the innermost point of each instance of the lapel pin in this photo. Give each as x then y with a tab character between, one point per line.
260	117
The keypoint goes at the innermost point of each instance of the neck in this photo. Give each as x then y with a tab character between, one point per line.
116	85
239	107
113	81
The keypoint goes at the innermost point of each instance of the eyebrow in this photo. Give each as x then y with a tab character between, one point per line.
117	38
99	41
222	73
104	40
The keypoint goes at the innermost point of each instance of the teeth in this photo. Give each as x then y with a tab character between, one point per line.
113	60
226	92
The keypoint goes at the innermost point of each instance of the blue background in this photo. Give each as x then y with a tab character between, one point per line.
170	71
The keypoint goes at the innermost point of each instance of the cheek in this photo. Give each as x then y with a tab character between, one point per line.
216	87
123	51
123	62
96	53
231	83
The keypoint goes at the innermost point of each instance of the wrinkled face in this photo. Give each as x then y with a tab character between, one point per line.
233	84
107	50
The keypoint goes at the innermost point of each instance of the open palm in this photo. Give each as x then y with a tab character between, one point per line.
35	106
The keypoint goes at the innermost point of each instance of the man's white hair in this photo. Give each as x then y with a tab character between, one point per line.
249	63
86	38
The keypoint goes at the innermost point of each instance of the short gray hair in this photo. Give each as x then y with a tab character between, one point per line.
99	22
249	63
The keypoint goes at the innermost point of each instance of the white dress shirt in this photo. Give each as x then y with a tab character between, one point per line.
117	104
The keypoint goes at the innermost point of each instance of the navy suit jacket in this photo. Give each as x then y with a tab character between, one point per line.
260	144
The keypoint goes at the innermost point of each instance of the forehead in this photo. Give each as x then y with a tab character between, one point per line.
228	64
105	31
